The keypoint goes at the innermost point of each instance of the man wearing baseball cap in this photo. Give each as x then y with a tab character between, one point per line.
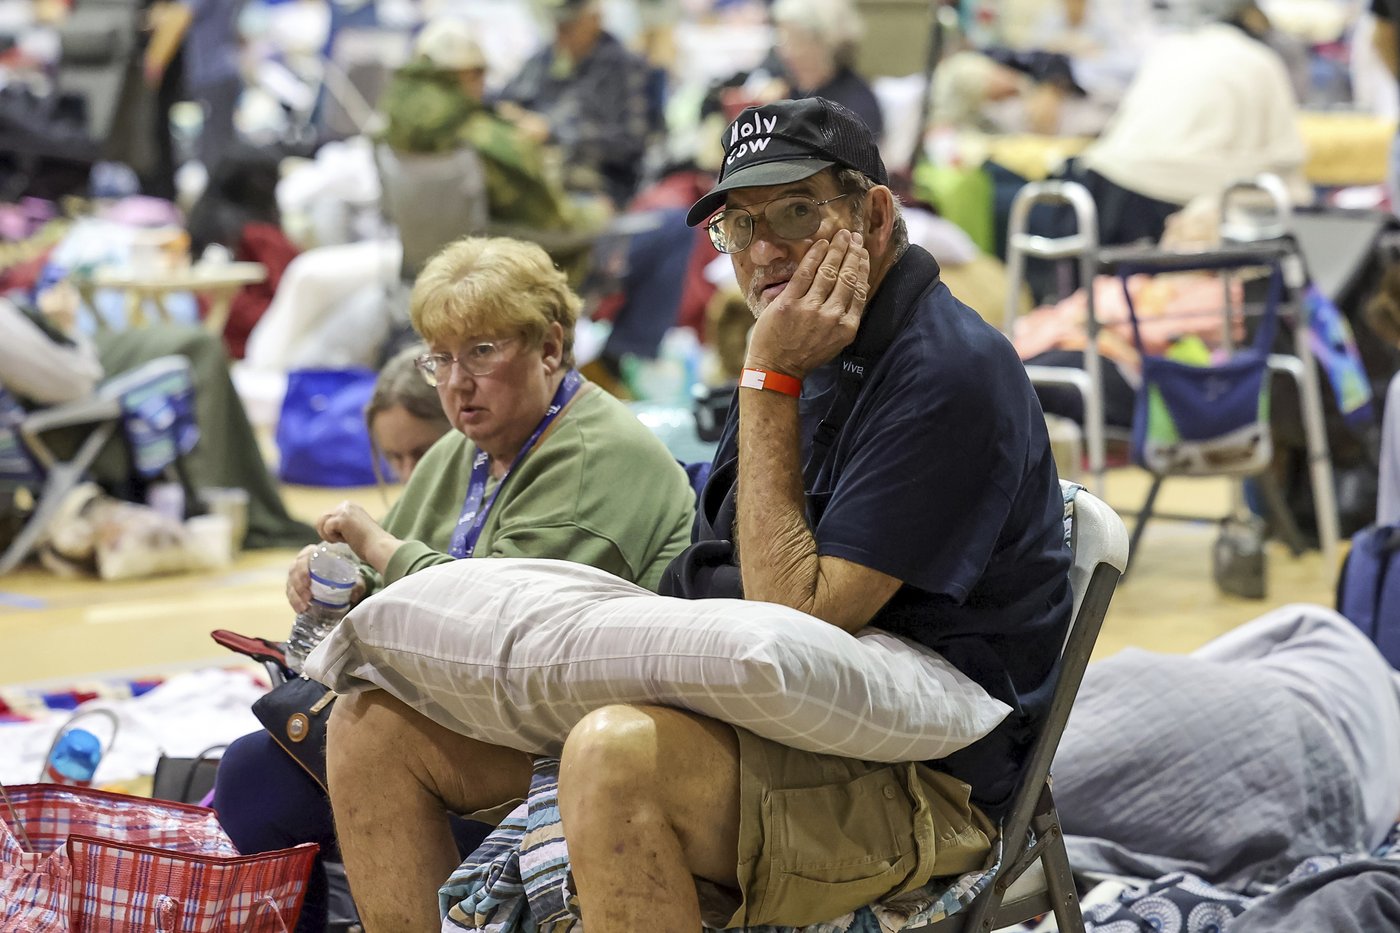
885	463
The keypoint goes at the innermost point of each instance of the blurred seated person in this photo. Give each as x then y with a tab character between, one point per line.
817	48
1105	39
436	103
1001	92
587	95
46	360
238	210
514	478
1211	105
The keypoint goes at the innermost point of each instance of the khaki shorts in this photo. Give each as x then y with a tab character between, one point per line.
820	836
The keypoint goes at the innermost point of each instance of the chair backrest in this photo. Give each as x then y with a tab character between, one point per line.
432	198
97	47
1099	541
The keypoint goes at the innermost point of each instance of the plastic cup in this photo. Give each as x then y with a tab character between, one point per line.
232	503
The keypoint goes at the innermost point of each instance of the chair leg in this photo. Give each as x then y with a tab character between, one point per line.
1060	883
60	480
978	918
1141	524
1281	521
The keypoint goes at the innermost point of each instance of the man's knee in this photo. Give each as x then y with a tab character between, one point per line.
610	746
644	753
377	741
650	768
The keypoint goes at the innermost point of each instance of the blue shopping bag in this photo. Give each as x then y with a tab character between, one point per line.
321	434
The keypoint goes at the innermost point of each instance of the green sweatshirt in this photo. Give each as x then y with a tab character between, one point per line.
598	489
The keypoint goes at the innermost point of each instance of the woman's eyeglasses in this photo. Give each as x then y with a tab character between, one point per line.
480	359
792	218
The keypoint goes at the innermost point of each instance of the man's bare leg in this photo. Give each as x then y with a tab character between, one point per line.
394	776
649	798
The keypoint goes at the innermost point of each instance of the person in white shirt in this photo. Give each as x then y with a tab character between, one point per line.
45	359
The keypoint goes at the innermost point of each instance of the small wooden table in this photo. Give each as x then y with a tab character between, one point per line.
217	282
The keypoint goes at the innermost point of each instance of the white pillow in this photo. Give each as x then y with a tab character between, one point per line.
515	652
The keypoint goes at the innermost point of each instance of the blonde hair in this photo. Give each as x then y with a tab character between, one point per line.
493	286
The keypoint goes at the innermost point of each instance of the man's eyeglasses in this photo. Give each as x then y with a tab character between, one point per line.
791	218
480	359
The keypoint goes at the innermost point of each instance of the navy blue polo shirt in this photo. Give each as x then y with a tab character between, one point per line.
943	478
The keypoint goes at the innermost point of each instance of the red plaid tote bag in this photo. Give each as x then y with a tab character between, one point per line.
76	860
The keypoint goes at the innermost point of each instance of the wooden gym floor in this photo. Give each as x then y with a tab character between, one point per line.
61	633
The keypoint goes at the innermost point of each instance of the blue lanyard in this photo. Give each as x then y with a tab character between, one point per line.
476	508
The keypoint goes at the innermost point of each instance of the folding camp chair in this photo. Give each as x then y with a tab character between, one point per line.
432	198
435	198
1035	875
26	460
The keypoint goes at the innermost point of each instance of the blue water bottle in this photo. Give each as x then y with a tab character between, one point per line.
74	758
76	752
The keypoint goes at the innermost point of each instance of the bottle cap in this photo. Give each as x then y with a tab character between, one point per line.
75	757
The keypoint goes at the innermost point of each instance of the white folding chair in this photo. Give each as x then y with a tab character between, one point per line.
1035	872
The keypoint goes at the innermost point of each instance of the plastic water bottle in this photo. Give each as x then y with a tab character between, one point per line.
74	757
668	379
334	571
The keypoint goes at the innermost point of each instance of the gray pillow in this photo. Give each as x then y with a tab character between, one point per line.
515	652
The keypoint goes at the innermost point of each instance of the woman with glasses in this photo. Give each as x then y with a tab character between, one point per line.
540	463
533	467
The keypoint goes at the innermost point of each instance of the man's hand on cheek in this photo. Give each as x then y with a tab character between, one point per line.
818	312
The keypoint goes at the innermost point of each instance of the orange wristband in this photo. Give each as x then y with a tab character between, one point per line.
774	382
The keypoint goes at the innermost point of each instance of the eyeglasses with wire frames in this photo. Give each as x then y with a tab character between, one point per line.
480	359
794	217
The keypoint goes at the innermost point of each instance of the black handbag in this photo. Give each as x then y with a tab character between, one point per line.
186	780
295	714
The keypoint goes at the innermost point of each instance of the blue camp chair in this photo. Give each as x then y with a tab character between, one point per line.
153	405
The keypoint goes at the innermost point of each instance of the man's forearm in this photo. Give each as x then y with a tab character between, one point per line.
172	21
778	554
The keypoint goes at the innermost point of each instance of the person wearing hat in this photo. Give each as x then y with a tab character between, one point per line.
934	512
436	103
588	95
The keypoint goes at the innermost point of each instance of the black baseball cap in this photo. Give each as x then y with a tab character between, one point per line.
787	141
